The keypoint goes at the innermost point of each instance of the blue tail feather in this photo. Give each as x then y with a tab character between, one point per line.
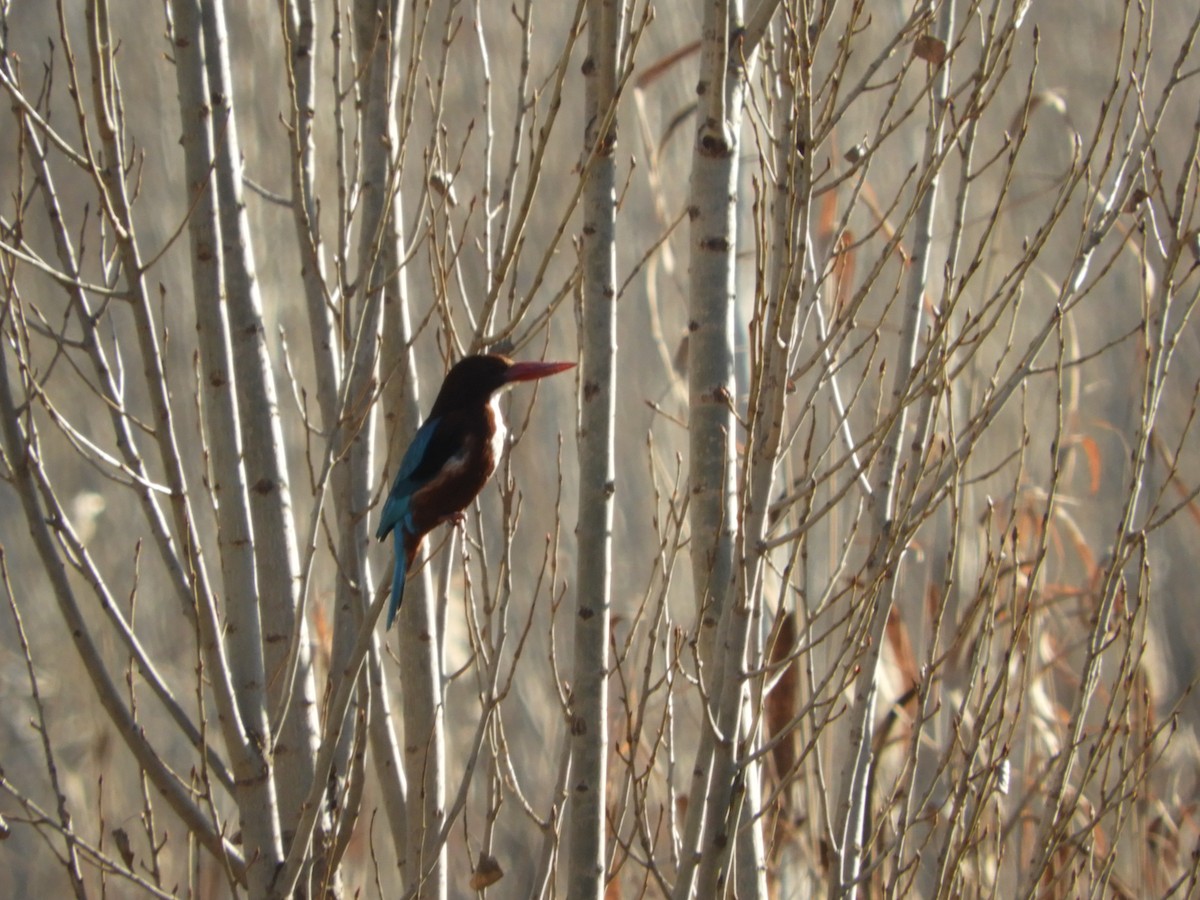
399	571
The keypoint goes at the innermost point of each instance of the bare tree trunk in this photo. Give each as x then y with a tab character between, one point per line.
712	426
300	30
379	29
774	341
886	545
598	341
376	28
258	806
275	546
228	484
712	279
401	416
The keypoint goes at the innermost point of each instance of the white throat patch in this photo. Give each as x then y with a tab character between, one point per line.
501	434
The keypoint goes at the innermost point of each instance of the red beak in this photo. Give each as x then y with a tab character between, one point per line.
528	371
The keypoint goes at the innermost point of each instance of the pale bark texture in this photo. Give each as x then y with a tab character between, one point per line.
294	740
724	619
380	36
588	860
886	553
223	428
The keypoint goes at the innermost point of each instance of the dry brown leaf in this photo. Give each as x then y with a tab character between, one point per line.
826	219
1137	197
931	49
1091	450
857	152
933	601
902	651
843	271
782	701
121	836
487	872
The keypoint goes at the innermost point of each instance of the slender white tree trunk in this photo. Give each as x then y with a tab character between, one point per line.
712	425
275	546
242	621
886	546
597	470
379	28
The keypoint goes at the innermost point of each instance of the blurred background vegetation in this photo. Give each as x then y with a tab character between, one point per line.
1065	64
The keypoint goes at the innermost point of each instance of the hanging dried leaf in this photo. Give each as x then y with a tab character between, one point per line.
857	152
902	651
843	271
121	836
442	184
487	872
782	702
827	219
930	48
1136	198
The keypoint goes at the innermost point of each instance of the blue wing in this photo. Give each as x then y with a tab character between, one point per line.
434	444
415	472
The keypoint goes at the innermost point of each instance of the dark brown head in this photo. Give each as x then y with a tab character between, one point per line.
474	379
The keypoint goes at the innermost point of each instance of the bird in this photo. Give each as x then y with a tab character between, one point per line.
452	455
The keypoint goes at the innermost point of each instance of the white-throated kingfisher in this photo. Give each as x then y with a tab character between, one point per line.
451	456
